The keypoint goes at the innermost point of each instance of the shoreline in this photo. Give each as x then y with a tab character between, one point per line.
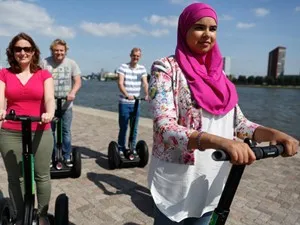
105	114
267	86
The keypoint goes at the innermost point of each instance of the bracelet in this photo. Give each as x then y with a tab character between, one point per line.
198	141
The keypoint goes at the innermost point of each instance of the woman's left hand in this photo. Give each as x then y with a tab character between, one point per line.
46	117
291	145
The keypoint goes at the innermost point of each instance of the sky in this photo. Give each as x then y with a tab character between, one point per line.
101	33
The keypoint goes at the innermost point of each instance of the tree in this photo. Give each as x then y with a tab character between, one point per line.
270	80
250	80
242	80
258	80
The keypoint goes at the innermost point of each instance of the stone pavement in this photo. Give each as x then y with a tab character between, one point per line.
268	193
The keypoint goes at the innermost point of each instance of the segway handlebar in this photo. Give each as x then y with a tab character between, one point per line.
62	98
260	152
12	116
138	98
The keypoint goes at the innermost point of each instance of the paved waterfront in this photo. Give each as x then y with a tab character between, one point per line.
268	193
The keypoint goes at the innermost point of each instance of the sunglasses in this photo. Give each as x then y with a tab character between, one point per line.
19	49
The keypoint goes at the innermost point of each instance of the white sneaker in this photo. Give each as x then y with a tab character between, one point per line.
69	163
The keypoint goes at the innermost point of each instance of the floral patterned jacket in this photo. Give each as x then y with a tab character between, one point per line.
175	116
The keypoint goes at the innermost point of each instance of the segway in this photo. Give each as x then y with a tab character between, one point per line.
59	168
221	213
131	157
30	215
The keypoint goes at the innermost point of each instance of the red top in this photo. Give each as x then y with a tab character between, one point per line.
25	99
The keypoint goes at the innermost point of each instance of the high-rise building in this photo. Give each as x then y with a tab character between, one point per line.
227	65
276	62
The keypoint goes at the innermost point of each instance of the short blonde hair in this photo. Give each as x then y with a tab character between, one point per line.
135	50
59	42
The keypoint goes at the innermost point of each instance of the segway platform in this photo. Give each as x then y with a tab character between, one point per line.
60	170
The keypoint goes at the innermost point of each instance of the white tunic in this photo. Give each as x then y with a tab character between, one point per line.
181	191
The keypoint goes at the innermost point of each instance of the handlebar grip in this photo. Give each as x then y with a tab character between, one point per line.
260	152
220	155
10	117
267	152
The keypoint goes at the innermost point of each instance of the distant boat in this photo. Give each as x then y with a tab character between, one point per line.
108	76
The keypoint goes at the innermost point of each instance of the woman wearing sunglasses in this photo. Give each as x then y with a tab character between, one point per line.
29	90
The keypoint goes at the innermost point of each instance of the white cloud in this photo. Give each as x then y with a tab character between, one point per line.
58	31
3	32
116	29
297	9
111	29
261	12
171	21
159	33
17	16
225	17
241	25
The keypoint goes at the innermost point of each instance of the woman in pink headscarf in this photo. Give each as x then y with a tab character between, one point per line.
195	110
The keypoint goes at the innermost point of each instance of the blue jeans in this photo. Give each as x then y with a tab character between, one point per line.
125	111
161	219
66	134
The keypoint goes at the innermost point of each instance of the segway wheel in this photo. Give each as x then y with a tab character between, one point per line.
142	151
5	212
76	170
113	156
61	216
51	219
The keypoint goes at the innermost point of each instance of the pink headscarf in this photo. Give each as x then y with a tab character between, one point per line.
209	86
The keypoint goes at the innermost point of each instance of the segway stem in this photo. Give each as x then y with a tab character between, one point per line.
59	167
133	124
59	115
221	213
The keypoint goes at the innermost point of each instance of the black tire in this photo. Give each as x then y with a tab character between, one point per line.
5	212
61	216
142	151
113	155
51	219
76	170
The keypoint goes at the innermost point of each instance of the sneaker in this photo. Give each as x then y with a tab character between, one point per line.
121	153
68	162
51	164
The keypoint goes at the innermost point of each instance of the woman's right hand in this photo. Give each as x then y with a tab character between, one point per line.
240	153
2	114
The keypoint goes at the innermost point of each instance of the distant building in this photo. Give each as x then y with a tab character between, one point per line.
227	65
276	62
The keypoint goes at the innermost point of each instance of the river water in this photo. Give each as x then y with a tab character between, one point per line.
274	107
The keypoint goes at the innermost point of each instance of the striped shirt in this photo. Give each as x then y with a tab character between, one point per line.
132	80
